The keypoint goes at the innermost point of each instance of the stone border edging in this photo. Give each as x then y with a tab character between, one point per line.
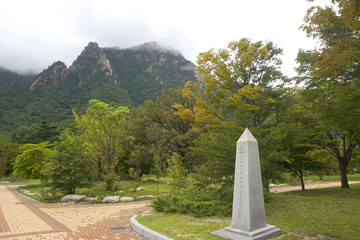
146	232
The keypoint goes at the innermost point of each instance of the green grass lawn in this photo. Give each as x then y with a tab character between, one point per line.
18	180
332	212
333	178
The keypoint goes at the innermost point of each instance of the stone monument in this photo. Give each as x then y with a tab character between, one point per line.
248	213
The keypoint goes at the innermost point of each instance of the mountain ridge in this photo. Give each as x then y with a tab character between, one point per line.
127	76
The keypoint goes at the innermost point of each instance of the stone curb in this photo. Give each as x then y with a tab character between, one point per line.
146	232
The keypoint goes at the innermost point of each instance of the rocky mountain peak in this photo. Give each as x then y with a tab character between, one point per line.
53	76
90	62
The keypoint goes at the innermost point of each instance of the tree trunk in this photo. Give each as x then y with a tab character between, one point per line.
343	174
100	170
266	187
343	157
300	174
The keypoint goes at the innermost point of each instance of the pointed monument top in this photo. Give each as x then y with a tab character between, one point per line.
247	137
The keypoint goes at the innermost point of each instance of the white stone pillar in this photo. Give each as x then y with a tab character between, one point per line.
248	214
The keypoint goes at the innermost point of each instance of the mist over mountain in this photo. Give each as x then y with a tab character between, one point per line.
121	76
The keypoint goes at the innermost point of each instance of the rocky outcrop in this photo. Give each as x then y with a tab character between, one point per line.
55	75
91	62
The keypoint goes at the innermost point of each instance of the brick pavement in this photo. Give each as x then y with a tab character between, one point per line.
25	219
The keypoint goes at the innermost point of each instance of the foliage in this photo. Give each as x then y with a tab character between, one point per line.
196	201
8	152
31	161
158	133
331	75
68	169
101	128
238	92
43	132
110	180
176	169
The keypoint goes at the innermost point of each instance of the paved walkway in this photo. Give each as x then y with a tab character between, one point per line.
24	219
310	186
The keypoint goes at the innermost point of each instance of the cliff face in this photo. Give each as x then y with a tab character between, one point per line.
91	63
54	76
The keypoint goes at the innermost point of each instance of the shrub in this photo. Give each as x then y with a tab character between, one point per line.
198	202
110	180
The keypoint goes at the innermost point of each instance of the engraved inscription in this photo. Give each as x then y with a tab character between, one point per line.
241	149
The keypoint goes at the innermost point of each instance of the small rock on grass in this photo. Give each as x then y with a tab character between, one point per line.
111	199
127	199
73	198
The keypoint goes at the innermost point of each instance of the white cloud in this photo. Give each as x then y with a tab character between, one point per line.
37	33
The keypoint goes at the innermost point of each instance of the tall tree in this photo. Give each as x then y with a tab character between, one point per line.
158	130
238	91
8	152
102	127
331	74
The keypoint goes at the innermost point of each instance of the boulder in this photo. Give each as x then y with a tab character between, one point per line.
111	199
89	199
127	199
73	198
145	197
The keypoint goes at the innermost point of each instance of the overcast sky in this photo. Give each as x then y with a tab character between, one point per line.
36	33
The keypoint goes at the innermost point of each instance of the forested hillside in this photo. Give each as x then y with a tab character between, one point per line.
122	76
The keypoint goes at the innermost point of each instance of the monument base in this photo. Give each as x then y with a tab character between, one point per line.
236	234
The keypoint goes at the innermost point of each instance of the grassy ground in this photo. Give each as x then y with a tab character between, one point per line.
332	178
331	212
18	180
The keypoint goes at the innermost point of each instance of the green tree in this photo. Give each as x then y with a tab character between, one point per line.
158	130
44	132
22	134
239	92
68	168
33	157
176	169
331	75
102	128
8	152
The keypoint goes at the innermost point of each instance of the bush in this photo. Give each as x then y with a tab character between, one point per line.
110	180
48	195
68	173
197	202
